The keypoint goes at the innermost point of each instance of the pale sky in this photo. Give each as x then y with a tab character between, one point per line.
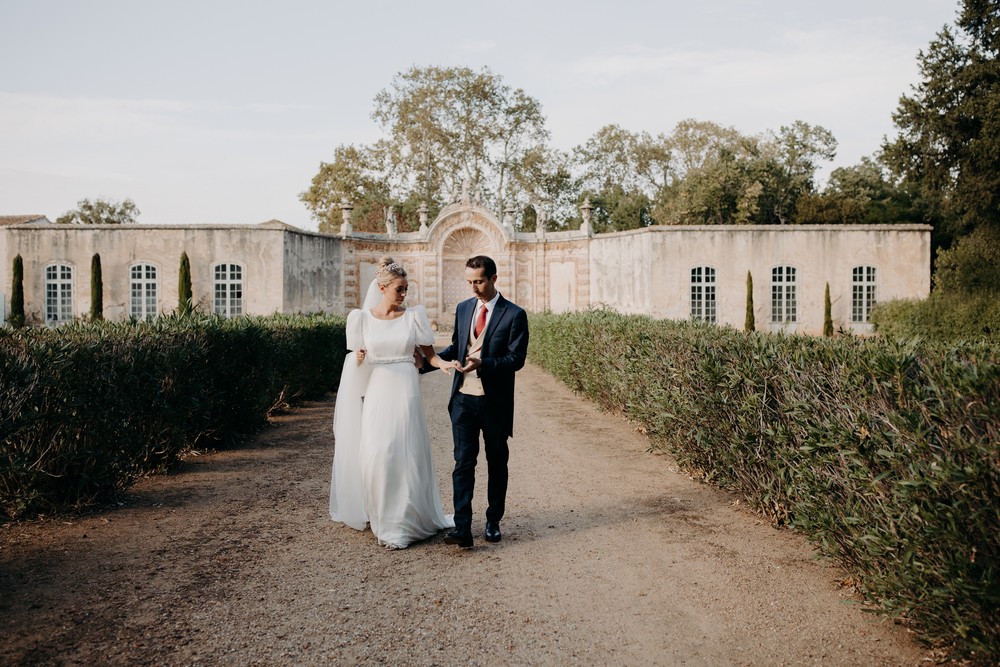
220	112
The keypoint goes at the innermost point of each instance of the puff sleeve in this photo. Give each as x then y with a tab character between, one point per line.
355	331
422	326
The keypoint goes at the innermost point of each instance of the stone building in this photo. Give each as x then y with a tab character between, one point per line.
235	269
667	272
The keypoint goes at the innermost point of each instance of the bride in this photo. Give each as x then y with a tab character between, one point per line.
383	472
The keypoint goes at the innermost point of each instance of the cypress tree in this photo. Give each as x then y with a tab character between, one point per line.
749	324
16	318
96	289
184	299
827	319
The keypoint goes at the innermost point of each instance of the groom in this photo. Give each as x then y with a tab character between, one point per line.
490	339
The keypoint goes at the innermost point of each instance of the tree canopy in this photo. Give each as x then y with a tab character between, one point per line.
948	144
101	212
443	126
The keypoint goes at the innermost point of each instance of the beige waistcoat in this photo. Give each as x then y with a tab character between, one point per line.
471	384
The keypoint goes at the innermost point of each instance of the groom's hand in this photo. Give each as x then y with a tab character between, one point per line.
471	365
418	359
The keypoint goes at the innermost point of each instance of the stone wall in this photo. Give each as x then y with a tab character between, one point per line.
283	270
645	271
649	271
313	273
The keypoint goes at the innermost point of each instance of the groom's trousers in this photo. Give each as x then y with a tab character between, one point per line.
470	416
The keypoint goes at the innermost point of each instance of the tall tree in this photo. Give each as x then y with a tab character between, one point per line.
827	315
16	317
798	148
544	178
623	174
633	161
355	175
96	289
712	174
949	127
971	266
442	126
749	323
865	193
726	190
185	300
101	212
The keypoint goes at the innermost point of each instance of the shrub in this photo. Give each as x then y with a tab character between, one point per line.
185	301
941	317
96	289
884	453
16	317
827	317
971	265
87	409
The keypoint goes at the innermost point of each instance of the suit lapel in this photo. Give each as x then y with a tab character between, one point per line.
464	327
498	312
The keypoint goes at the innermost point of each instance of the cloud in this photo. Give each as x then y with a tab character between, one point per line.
846	76
476	45
83	118
81	136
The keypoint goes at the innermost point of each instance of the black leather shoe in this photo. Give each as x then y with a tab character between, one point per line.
492	531
461	537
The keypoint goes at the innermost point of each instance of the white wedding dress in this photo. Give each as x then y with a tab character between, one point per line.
383	472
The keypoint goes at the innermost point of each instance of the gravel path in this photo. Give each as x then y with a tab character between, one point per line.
610	556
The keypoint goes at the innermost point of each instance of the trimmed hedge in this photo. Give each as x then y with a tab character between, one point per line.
885	454
941	317
87	409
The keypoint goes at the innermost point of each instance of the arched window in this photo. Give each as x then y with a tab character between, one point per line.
143	291
58	294
784	294
703	293
228	289
864	292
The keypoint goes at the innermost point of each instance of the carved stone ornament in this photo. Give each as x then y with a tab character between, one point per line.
540	221
423	211
390	222
345	211
508	216
466	242
585	211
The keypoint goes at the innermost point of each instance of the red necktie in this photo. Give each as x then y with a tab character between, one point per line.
481	321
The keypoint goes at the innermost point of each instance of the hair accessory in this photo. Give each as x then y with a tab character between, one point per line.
388	268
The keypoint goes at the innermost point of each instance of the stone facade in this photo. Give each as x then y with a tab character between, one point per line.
665	272
278	268
649	271
434	258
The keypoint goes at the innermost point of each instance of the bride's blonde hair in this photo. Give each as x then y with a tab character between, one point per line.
388	270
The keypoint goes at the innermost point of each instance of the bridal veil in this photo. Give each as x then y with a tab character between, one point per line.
346	493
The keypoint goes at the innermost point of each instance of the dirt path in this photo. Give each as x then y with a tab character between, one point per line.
610	556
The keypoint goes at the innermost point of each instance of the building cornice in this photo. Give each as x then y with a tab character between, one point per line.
770	228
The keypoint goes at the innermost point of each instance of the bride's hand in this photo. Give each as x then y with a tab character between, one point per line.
449	366
360	355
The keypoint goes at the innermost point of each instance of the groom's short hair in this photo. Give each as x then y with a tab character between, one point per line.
483	262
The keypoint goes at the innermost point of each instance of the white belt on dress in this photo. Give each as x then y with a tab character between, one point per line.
391	360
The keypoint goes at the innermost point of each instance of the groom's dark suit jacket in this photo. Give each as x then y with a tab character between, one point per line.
505	347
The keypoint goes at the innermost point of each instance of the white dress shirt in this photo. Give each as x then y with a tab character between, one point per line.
490	307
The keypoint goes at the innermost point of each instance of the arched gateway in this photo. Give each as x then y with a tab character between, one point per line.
435	257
